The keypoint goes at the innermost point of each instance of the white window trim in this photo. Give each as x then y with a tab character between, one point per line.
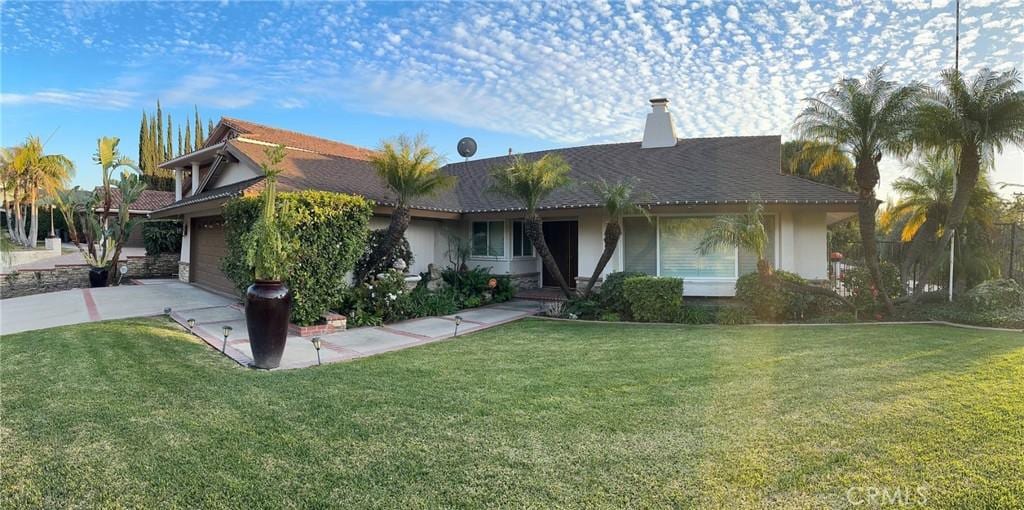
512	233
657	244
505	242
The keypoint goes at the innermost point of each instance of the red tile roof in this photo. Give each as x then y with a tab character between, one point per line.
259	132
148	201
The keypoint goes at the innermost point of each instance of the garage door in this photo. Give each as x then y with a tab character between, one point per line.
208	248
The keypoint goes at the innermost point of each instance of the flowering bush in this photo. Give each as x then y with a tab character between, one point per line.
863	293
378	300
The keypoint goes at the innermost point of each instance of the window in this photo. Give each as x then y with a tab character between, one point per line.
640	245
669	244
677	247
521	245
488	239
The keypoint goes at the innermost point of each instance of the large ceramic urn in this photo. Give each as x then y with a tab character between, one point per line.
268	305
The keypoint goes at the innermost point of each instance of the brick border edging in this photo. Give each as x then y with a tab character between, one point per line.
789	324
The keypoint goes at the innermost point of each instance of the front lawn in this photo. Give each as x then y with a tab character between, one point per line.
532	414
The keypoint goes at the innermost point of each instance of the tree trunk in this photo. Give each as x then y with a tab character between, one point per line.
534	230
867	179
400	218
919	246
764	268
969	169
33	233
612	232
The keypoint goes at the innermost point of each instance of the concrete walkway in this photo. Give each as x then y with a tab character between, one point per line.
76	306
351	344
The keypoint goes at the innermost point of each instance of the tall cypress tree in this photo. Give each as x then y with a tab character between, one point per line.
159	138
169	149
188	135
143	136
199	130
209	127
181	146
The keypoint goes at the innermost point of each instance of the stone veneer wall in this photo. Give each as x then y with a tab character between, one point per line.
65	277
183	272
525	280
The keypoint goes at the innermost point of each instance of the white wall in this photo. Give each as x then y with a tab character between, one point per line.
810	245
232	173
186	240
426	238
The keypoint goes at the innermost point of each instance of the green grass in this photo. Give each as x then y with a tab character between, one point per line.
532	414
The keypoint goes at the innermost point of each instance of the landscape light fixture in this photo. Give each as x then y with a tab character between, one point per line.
316	345
227	331
191	324
167	310
458	320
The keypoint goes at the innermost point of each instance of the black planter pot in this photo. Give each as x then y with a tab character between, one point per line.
268	305
98	276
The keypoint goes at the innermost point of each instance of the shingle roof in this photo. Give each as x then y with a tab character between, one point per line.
308	170
722	170
149	200
231	190
695	171
274	135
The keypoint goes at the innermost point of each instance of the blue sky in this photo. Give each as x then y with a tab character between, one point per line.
521	75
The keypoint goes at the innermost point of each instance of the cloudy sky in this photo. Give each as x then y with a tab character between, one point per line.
521	75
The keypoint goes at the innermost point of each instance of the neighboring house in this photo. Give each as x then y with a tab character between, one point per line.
688	182
148	201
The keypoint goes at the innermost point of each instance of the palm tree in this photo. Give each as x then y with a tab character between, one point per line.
113	236
412	169
619	200
28	173
802	158
970	122
740	231
529	182
919	214
864	119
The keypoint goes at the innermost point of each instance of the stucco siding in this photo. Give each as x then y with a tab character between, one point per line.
232	173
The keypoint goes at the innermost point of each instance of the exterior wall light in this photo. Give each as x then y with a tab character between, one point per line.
227	331
316	345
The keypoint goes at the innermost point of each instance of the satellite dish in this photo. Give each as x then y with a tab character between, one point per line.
467	147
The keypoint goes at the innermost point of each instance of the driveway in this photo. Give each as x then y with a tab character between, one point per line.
41	311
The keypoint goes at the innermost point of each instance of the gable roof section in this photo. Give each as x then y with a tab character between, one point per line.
726	170
148	201
307	170
696	171
272	135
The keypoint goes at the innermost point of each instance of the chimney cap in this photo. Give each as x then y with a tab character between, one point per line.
659	100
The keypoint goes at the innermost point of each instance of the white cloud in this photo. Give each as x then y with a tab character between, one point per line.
732	13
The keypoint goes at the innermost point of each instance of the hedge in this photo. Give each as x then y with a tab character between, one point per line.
161	236
654	299
331	229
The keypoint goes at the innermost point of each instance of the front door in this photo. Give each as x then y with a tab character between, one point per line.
562	238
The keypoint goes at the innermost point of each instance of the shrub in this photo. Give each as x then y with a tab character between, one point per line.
772	303
863	293
653	299
331	230
698	314
584	308
610	292
372	266
734	315
161	236
424	303
996	294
